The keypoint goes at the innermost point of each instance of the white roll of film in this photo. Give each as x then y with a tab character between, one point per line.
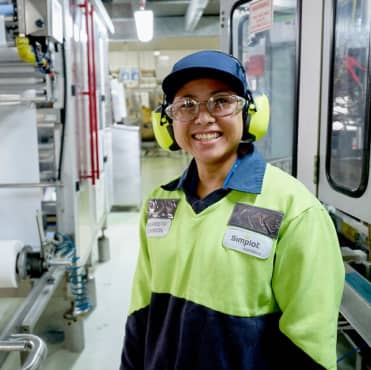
9	250
2	30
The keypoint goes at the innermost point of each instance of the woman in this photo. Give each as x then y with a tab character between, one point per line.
239	266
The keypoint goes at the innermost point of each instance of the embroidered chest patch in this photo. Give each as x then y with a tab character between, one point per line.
252	230
160	215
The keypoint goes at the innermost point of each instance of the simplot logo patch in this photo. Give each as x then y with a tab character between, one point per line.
244	241
248	242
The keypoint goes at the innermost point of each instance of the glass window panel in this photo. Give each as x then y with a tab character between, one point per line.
270	58
347	162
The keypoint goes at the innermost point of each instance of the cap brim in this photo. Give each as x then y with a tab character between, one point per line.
176	80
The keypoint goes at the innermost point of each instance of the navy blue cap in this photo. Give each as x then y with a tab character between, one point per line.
206	64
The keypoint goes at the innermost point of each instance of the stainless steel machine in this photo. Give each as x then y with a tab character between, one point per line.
55	163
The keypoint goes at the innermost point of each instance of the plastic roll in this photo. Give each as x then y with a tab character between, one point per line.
6	9
9	55
9	250
2	31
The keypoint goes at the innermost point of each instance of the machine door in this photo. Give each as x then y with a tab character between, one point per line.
263	35
344	175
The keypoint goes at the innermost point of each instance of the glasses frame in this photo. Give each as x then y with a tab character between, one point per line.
240	103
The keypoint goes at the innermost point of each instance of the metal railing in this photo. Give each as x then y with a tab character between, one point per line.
36	348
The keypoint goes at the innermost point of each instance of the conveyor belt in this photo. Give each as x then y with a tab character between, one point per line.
356	303
359	284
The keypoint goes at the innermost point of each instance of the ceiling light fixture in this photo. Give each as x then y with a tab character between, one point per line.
144	23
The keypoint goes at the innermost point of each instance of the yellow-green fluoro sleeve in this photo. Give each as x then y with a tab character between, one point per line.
308	283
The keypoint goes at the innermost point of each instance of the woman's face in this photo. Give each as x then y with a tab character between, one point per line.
211	140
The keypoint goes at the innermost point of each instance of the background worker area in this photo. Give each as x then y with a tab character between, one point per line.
201	298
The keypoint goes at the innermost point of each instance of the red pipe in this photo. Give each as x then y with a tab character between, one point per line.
89	93
94	96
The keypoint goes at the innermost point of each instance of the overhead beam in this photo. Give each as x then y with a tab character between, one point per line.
194	13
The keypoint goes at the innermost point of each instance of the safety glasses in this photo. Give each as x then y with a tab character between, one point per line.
219	105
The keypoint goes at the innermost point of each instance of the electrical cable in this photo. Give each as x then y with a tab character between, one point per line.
351	352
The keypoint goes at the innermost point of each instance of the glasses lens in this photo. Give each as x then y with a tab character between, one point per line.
183	110
224	105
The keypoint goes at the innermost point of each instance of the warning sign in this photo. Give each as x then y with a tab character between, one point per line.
261	16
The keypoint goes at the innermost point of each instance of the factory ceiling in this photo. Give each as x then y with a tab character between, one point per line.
178	24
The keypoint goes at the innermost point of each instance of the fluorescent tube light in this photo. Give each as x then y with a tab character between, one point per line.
144	24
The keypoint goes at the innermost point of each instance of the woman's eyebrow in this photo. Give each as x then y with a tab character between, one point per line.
223	91
184	97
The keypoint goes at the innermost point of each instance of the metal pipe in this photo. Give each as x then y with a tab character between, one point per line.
26	343
94	97
36	347
50	125
6	98
31	93
91	93
59	262
33	305
31	185
14	66
10	346
98	4
32	316
24	81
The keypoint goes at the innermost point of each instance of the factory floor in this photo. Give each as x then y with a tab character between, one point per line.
103	328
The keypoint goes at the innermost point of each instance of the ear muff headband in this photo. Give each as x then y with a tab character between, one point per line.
163	130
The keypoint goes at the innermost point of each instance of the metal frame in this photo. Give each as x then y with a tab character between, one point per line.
29	312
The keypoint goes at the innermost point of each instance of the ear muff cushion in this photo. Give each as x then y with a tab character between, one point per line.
259	116
163	130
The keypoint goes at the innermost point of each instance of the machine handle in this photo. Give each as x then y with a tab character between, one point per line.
27	343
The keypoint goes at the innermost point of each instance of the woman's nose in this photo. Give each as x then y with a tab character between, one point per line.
204	116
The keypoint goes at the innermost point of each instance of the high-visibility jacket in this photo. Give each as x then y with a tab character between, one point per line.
252	282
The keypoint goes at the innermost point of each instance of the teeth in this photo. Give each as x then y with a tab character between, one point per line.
210	136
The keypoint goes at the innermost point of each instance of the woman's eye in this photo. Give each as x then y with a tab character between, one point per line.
221	100
188	105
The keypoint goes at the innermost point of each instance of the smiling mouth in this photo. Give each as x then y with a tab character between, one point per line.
207	136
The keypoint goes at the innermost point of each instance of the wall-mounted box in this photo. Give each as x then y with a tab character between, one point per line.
41	18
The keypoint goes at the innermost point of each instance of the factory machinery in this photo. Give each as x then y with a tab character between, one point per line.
55	167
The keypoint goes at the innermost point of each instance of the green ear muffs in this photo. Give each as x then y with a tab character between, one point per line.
163	130
258	114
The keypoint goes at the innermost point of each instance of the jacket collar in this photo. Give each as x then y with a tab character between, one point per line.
247	175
